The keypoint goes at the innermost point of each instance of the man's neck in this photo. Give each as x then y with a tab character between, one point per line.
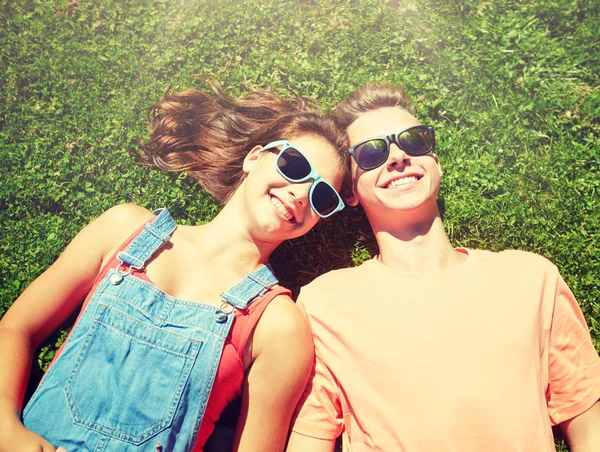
416	246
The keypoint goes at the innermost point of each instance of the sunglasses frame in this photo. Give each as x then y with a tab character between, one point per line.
314	175
394	138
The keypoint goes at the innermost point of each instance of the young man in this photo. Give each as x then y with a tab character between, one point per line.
428	348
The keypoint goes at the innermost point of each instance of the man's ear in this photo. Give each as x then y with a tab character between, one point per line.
348	196
251	158
437	160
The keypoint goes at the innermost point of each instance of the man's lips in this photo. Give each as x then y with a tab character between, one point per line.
285	211
402	180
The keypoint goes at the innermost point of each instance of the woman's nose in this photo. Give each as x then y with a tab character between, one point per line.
300	192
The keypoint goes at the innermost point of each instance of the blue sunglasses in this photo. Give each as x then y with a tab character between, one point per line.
295	167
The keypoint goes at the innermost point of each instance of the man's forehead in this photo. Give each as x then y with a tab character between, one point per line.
380	122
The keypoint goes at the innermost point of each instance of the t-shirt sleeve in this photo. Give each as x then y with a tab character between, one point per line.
574	365
318	414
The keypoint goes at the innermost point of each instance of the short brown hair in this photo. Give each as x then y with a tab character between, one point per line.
369	97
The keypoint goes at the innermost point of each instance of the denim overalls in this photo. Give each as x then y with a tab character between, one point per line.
139	365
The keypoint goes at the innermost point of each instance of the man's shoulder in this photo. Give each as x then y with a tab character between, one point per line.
517	261
344	275
331	284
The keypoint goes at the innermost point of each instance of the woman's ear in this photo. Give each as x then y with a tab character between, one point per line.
251	158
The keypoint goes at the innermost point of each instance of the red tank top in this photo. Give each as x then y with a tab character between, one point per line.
230	373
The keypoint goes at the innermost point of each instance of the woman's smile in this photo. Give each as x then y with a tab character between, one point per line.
284	211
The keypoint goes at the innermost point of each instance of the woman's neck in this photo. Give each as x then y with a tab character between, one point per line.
227	241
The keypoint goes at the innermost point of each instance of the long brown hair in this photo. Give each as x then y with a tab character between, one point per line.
369	97
208	135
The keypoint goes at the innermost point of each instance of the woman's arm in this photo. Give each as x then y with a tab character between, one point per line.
282	351
47	303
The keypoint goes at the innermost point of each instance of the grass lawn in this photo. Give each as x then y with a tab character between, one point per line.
512	88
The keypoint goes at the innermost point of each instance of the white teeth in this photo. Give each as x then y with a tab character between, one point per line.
401	181
281	208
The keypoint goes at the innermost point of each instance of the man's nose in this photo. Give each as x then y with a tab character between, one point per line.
397	156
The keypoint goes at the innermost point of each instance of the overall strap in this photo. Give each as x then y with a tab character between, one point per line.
150	239
254	285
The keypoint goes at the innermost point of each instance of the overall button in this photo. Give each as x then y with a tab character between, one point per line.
222	313
220	316
116	278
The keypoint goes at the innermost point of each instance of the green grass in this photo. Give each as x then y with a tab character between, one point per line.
512	88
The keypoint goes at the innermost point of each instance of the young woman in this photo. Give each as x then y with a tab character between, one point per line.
179	320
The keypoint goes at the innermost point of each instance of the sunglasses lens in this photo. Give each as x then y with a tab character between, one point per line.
296	168
324	198
293	165
371	154
416	141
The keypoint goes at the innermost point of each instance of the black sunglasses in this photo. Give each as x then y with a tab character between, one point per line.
295	167
374	152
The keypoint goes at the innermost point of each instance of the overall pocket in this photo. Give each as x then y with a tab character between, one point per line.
128	377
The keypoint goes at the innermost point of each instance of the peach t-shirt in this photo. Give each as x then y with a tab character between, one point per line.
485	356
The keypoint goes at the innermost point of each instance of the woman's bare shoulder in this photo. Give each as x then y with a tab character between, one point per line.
283	323
126	215
116	224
